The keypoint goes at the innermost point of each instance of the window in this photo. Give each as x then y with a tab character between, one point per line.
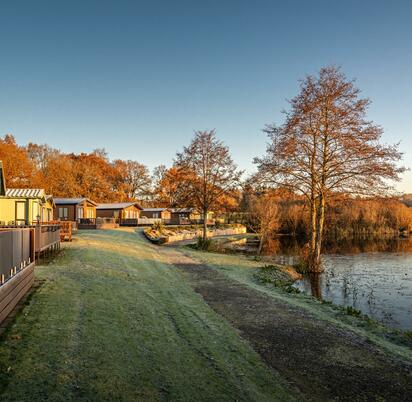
35	212
80	213
20	212
90	213
63	213
156	215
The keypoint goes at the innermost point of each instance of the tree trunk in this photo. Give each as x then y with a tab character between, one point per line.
313	235
261	242
316	262
204	224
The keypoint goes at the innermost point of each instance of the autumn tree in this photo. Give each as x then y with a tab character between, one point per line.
264	217
59	177
19	170
327	146
209	172
40	154
93	174
137	179
228	203
173	189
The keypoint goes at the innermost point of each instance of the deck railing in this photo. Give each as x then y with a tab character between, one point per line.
106	223
128	221
47	235
148	221
106	220
87	223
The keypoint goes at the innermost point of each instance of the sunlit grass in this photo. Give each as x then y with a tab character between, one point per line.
114	321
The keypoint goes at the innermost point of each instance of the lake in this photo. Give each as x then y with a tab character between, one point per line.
371	275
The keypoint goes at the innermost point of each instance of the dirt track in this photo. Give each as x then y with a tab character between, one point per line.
321	360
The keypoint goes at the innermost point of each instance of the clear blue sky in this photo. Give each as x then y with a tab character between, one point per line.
138	77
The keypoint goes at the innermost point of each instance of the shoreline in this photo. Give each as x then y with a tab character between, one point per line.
244	269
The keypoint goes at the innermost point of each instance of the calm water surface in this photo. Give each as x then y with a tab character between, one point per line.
378	284
371	275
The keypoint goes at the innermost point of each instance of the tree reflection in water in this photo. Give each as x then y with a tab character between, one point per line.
371	274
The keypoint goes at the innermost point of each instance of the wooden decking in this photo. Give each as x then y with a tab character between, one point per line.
14	289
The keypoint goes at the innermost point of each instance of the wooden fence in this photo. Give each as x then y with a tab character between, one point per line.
17	256
143	221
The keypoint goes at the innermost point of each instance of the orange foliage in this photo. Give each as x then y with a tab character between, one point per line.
90	175
18	168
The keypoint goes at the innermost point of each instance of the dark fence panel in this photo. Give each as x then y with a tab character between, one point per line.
87	223
128	222
16	251
6	253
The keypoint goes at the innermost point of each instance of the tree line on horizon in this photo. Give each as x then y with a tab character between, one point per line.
325	154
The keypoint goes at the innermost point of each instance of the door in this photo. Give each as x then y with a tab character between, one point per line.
116	215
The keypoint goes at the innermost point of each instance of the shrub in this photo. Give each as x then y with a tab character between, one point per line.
302	266
158	226
203	244
353	311
273	274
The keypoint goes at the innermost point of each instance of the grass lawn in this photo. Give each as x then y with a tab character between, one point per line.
114	321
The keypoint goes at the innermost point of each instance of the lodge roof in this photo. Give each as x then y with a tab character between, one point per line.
25	193
117	205
155	209
182	210
72	201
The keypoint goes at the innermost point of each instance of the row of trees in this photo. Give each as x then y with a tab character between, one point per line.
348	217
95	176
324	150
90	175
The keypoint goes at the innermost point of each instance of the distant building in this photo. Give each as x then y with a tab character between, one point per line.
25	206
183	216
124	213
156	213
80	210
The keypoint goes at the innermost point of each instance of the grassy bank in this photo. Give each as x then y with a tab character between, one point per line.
114	322
248	271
